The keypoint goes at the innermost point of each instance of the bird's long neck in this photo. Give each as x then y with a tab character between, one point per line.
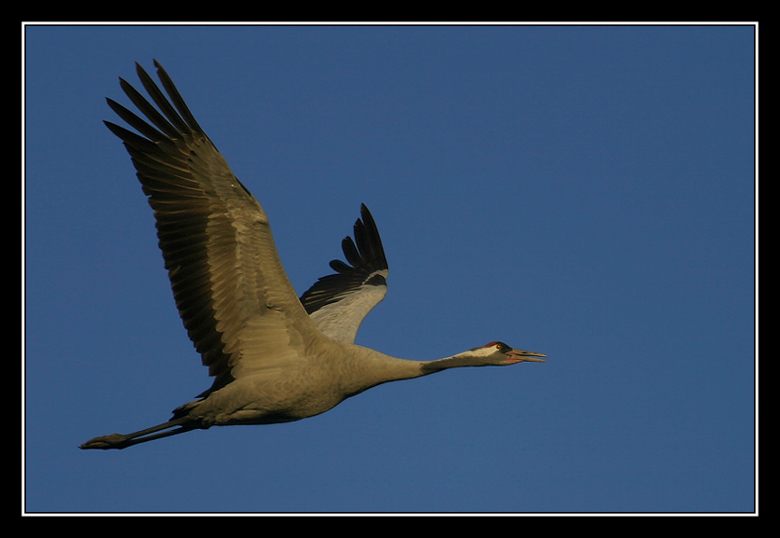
369	368
454	361
373	368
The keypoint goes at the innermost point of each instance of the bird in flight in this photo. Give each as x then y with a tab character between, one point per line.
274	357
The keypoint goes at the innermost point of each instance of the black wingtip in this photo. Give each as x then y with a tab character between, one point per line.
367	237
366	215
119	131
159	68
364	212
114	128
114	105
139	69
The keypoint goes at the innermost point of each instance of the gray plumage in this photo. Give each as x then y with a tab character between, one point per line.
274	357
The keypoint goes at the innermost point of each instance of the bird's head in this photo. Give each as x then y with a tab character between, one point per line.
500	354
491	354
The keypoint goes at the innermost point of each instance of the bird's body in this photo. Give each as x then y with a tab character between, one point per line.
275	357
318	384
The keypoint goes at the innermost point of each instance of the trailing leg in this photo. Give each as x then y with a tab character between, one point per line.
118	440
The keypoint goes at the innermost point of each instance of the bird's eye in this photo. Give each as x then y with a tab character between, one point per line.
498	346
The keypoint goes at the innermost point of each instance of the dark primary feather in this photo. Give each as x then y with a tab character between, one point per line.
214	236
366	257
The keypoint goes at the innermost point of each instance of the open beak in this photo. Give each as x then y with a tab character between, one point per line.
519	355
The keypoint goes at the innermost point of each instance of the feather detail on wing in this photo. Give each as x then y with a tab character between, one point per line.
228	283
339	302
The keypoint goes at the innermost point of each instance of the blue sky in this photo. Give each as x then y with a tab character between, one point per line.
586	192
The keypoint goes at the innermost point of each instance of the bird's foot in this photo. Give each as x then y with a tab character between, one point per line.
113	440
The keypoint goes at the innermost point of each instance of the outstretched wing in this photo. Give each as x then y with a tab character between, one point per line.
338	302
231	290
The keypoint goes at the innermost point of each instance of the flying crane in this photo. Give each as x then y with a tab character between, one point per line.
274	357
